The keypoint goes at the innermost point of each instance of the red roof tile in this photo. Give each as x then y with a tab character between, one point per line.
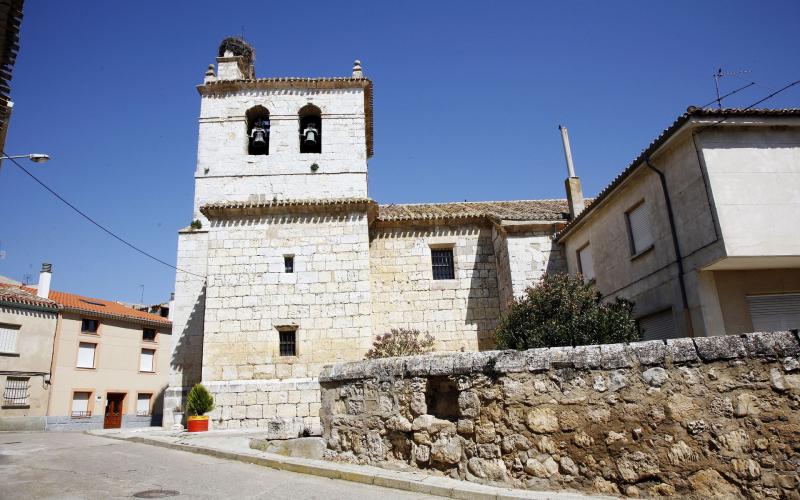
14	294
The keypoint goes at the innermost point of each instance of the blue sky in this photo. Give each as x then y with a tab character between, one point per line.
468	97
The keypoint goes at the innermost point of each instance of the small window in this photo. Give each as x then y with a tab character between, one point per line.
310	129
776	312
442	263
288	263
8	338
146	360
585	263
149	334
80	404
288	342
143	404
16	393
658	326
258	126
641	238
86	352
89	325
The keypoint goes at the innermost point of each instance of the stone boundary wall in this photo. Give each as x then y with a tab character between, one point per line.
702	417
290	404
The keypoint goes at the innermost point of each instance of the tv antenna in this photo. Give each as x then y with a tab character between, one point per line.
141	298
718	76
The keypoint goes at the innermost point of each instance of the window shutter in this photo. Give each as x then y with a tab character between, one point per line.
86	355
143	404
8	339
146	360
658	326
774	312
640	228
586	263
80	403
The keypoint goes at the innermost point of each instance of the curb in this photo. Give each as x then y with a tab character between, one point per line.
408	481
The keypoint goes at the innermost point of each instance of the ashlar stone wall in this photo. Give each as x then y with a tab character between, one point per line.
701	418
459	313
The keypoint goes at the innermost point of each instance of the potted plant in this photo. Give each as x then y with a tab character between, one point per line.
198	403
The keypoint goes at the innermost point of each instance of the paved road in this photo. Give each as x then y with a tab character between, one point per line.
72	465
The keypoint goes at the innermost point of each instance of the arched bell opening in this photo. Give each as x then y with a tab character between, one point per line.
257	130
310	129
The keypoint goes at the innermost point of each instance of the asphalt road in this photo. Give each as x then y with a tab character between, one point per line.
74	465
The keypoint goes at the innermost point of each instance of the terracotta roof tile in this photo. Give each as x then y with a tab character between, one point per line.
521	210
14	294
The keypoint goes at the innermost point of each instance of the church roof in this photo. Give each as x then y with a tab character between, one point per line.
520	210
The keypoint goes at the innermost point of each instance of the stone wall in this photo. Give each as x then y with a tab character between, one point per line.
459	313
700	417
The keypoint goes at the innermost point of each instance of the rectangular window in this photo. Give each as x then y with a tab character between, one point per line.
149	334
8	338
16	393
772	313
288	342
658	326
146	360
143	404
585	263
86	352
288	263
89	325
442	263
80	404
641	238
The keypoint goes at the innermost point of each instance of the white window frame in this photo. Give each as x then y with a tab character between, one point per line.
139	399
9	338
81	345
640	229
142	358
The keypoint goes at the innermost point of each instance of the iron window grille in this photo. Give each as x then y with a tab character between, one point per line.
288	263
16	393
442	263
288	342
89	325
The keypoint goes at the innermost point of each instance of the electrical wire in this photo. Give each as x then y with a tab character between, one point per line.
729	94
102	227
786	87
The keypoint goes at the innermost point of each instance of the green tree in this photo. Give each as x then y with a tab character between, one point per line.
400	342
199	401
562	310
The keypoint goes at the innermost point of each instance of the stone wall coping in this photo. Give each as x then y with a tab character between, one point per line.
288	384
772	345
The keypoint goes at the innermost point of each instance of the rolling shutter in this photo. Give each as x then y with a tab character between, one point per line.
86	355
146	360
8	338
774	312
639	222
658	326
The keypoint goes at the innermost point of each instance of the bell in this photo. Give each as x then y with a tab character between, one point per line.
310	136
258	138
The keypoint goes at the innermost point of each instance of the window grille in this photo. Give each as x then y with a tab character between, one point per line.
442	263
8	338
16	393
146	360
288	343
585	263
149	334
86	352
89	325
288	263
639	228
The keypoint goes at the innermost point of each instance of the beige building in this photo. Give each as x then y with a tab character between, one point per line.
27	327
701	230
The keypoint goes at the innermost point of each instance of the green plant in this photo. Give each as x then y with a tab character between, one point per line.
199	401
562	310
196	224
400	342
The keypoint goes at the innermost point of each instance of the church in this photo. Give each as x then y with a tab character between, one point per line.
289	265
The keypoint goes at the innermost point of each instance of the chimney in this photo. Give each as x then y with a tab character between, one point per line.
573	183
43	288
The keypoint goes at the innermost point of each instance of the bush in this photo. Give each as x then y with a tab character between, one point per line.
199	401
561	310
400	342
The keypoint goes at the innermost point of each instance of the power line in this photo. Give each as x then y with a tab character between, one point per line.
102	227
786	87
719	99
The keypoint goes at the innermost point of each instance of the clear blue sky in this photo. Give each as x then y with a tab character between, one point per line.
468	96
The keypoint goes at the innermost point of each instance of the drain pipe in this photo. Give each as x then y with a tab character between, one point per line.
676	246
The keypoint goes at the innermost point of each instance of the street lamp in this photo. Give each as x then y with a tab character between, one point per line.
34	157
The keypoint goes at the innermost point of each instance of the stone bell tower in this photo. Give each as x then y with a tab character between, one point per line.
273	277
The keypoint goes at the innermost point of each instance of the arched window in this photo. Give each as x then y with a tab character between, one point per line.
310	129
257	130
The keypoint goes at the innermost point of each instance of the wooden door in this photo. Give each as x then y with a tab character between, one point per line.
113	419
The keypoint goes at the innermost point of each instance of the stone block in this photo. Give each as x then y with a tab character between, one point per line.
254	411
720	347
511	362
771	344
613	356
682	351
652	352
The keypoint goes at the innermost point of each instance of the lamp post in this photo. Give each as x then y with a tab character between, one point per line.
34	157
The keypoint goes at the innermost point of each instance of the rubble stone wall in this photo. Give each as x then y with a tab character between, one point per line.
703	417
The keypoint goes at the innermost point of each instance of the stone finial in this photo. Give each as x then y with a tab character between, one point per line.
210	75
357	73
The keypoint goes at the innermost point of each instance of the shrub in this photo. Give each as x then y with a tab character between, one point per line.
562	310
400	342
199	401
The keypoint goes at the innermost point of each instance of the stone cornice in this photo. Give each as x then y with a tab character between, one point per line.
281	207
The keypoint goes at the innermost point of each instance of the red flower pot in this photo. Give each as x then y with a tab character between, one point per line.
198	423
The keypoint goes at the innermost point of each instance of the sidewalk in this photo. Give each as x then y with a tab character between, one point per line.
235	445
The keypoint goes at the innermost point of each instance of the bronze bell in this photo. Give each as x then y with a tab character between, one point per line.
310	135
259	138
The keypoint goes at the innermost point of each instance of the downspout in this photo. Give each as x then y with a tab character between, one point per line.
676	246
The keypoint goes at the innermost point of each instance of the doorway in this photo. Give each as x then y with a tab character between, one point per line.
113	418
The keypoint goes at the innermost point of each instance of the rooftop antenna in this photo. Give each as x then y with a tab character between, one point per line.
718	76
141	298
